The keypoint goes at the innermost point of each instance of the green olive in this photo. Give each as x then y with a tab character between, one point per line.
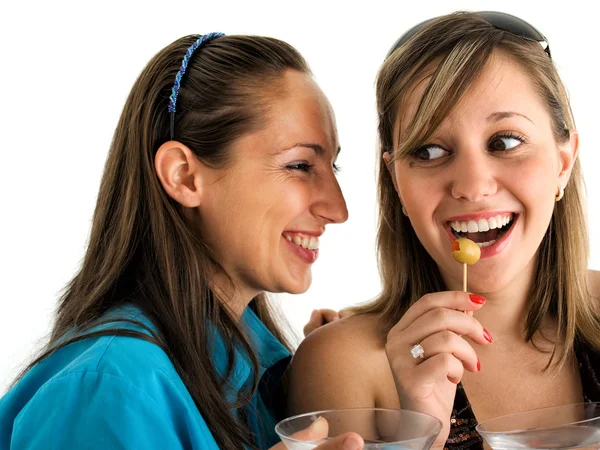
465	251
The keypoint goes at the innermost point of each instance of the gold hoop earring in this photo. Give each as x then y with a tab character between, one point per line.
559	193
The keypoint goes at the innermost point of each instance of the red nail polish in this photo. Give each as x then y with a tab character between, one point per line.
477	299
478	366
487	335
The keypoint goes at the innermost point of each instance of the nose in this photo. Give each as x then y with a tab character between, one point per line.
330	204
473	176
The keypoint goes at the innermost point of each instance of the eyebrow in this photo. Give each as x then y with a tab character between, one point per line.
497	116
318	149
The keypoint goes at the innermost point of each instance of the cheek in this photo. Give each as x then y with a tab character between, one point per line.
419	195
290	202
534	184
274	203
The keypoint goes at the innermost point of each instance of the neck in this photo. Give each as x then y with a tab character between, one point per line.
506	309
234	298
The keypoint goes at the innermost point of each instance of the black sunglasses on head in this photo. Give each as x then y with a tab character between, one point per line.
502	21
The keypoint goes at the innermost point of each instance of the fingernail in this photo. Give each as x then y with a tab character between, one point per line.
477	299
478	366
351	444
319	428
487	335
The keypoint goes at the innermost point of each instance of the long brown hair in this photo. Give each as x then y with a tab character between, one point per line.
453	50
141	251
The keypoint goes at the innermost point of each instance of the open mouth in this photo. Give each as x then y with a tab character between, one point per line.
303	240
484	232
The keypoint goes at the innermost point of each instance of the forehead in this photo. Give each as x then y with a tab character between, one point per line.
502	85
300	112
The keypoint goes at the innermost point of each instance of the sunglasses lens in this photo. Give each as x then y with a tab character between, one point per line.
513	25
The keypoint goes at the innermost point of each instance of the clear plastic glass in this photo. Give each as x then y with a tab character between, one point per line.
570	426
391	429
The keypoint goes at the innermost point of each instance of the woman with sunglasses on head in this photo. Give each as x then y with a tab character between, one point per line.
219	181
478	141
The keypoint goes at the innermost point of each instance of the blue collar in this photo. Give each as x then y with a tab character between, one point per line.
268	349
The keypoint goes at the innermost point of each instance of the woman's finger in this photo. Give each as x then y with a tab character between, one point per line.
442	319
459	301
319	430
449	342
318	318
439	367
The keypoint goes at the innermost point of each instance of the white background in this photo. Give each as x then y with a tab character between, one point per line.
66	70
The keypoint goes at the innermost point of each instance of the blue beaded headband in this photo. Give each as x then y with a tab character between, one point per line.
184	64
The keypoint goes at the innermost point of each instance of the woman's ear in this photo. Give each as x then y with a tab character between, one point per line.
568	155
180	173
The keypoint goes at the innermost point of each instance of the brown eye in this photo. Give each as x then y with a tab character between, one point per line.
429	152
503	143
299	166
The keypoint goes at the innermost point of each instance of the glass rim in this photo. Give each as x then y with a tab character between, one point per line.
549	408
435	420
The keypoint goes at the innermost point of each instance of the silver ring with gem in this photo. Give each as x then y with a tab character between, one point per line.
417	352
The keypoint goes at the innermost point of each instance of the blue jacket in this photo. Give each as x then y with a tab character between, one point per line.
114	392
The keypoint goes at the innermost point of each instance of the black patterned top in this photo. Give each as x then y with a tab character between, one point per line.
463	422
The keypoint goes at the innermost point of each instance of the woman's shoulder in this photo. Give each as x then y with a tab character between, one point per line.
124	356
127	384
127	350
355	331
336	365
355	339
128	361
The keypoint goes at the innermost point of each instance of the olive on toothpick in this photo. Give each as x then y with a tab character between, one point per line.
465	251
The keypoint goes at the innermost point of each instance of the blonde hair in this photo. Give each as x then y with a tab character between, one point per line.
453	50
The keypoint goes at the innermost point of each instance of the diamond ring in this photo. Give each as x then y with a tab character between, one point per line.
417	352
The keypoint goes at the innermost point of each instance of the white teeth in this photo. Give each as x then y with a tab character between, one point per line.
485	244
308	242
482	225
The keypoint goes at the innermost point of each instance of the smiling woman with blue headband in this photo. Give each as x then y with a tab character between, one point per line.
477	140
219	182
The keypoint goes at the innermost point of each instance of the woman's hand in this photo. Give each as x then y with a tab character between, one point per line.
320	317
437	322
319	429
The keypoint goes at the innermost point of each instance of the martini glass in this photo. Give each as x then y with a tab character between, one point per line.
570	426
391	429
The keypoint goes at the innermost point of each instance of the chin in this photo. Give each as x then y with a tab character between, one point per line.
490	282
298	285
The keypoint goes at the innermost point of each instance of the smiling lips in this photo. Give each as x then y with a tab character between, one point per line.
304	245
484	231
303	240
